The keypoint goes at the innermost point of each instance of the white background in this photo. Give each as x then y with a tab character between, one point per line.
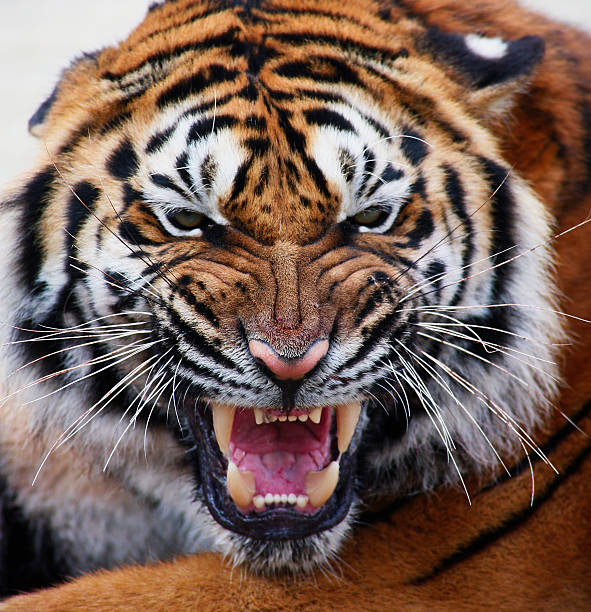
40	37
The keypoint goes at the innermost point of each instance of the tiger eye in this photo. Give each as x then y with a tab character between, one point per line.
370	216
187	219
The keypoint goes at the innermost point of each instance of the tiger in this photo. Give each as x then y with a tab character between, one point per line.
298	287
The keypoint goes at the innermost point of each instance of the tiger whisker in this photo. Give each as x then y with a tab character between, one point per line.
79	423
142	399
495	409
493	348
435	376
441	307
472	354
432	411
111	356
115	391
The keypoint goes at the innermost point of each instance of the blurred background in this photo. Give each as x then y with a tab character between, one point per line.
40	37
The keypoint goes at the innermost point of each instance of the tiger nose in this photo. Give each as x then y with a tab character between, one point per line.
288	369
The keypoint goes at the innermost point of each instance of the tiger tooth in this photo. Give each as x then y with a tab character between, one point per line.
347	419
302	501
223	419
282	419
240	485
292	418
259	416
321	485
315	415
303	418
258	501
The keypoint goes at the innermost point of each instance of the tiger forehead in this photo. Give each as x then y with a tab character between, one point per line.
240	103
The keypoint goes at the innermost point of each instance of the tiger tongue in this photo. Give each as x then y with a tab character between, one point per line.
282	461
278	458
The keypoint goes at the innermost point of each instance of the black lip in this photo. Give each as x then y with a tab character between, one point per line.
273	524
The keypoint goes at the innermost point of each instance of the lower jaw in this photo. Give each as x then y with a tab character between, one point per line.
275	524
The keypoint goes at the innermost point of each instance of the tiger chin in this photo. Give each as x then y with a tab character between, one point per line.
272	263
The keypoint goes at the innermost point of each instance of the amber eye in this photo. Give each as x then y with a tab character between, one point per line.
186	219
371	217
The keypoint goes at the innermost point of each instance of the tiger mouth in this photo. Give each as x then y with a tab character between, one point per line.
270	475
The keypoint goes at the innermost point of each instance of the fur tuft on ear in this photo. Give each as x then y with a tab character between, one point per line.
495	70
485	61
37	120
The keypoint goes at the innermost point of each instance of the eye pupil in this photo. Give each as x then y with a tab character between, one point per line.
370	217
186	219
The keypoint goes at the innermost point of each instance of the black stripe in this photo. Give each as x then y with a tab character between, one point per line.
342	43
195	84
368	168
515	520
182	167
503	233
130	232
205	127
123	163
327	117
456	195
412	146
375	300
324	69
167	183
171	338
258	146
34	199
422	230
29	557
378	333
161	57
545	450
159	138
80	207
240	179
204	345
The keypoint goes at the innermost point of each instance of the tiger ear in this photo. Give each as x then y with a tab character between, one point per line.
495	69
37	120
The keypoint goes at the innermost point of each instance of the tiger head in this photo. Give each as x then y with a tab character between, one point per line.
304	255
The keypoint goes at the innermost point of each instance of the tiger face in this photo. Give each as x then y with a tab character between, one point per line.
282	238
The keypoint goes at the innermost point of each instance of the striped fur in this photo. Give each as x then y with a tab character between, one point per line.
275	127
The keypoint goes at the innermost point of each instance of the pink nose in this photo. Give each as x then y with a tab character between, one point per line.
285	369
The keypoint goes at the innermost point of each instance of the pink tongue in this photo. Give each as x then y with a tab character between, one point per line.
280	454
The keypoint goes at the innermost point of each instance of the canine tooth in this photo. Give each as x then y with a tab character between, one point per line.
321	485
223	419
258	501
282	418
269	499
292	417
347	419
302	501
259	416
240	485
292	498
315	415
303	417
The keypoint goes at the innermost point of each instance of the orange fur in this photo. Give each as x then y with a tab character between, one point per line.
542	561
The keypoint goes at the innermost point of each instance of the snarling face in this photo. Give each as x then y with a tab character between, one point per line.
304	221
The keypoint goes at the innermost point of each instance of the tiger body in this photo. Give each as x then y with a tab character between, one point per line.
282	207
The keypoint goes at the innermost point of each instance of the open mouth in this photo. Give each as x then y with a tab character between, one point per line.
272	475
